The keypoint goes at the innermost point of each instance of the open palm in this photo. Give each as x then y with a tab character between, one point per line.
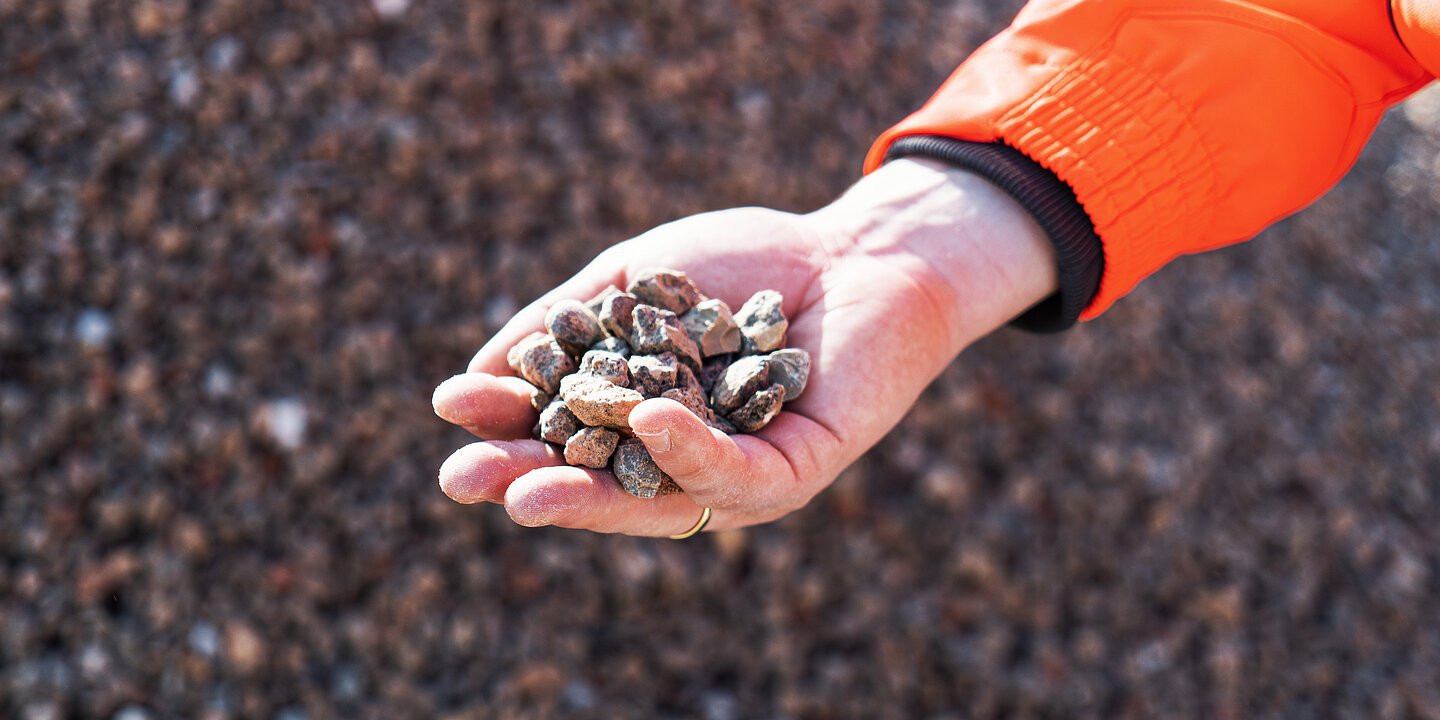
874	318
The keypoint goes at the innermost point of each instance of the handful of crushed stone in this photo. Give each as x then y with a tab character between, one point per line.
660	337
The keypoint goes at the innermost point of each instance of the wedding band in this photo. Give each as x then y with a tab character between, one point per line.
700	525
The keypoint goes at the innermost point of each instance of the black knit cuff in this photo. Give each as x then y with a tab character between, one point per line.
1054	206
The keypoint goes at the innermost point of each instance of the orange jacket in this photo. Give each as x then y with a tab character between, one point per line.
1184	125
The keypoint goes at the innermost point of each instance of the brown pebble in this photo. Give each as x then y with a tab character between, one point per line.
538	399
658	331
594	303
790	367
557	423
591	447
712	369
652	375
760	409
599	402
762	322
666	289
606	366
613	345
573	325
712	327
513	355
544	362
723	425
693	400
617	315
742	379
637	471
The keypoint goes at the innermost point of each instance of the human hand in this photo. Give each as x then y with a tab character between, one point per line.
883	288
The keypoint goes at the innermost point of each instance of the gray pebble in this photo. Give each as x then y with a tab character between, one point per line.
711	325
742	379
760	409
637	471
557	423
762	322
596	302
790	367
513	355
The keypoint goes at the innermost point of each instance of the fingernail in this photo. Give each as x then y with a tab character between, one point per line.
657	442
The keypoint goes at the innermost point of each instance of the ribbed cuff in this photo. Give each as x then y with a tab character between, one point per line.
1049	200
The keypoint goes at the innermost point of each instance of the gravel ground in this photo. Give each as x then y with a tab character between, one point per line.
241	241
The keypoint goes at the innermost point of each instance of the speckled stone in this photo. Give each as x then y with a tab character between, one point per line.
591	447
617	316
658	331
573	326
790	367
637	471
759	410
712	327
557	423
666	289
613	344
544	363
594	304
517	351
712	369
599	402
762	322
606	366
652	375
742	379
693	400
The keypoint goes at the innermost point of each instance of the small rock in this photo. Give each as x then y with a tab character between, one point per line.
685	378
790	367
558	424
591	447
390	9
595	303
513	355
573	325
613	345
658	331
666	289
652	375
693	400
538	399
712	369
617	315
93	328
599	403
762	323
132	712
742	379
544	362
606	366
637	471
712	327
719	422
760	409
244	649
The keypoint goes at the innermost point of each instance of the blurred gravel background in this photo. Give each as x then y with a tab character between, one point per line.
240	241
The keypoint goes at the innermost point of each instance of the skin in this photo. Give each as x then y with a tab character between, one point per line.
884	287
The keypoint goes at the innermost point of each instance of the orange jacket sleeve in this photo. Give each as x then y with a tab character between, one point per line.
1184	125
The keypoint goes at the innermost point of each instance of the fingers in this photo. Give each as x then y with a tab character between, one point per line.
483	471
489	406
606	269
579	498
717	470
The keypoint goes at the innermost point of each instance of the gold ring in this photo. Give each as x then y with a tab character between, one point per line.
704	520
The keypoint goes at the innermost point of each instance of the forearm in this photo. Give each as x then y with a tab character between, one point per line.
973	248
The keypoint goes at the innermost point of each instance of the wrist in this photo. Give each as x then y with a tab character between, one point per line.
962	240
